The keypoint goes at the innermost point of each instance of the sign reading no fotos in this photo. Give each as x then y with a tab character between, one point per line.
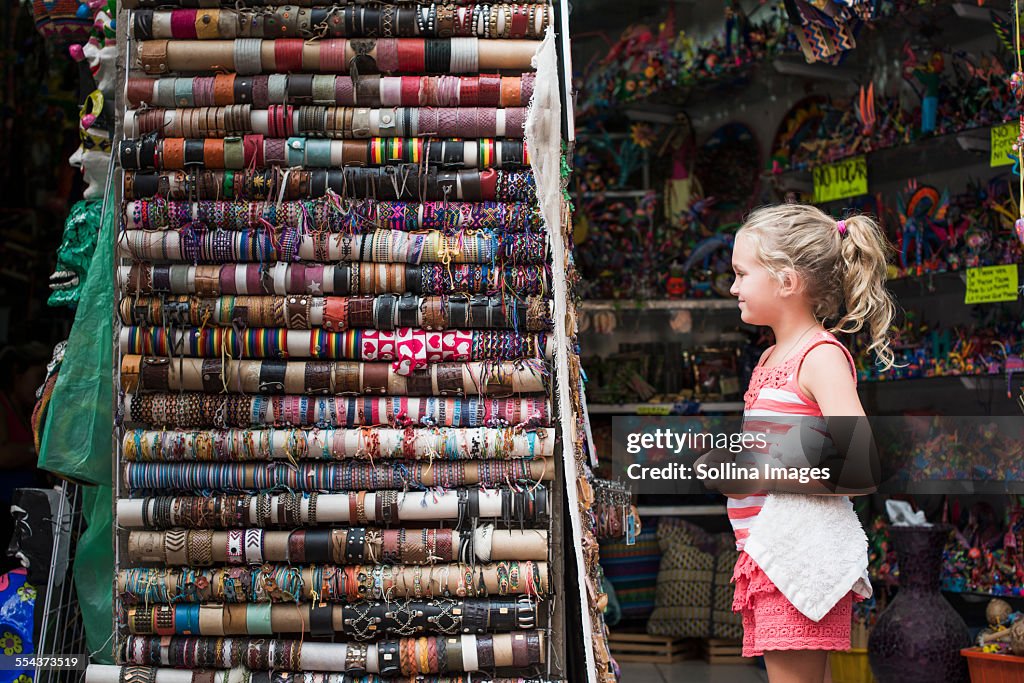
991	284
841	180
1003	138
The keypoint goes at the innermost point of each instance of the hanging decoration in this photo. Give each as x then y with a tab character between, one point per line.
1016	87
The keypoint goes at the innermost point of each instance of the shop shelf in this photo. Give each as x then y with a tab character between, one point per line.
891	164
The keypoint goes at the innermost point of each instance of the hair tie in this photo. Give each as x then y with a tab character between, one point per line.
841	227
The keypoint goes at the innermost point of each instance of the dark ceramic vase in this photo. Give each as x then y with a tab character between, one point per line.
919	637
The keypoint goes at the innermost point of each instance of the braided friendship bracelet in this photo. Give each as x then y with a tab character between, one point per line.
193	409
332	214
329	444
332	477
342	279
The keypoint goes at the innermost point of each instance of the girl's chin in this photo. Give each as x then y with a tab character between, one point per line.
747	317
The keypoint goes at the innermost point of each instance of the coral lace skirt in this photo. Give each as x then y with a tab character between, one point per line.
770	622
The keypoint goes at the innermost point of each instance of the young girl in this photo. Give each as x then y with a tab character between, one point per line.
805	275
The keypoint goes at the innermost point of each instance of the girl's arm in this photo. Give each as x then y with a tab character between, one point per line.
826	379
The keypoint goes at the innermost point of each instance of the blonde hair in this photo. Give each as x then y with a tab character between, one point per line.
807	240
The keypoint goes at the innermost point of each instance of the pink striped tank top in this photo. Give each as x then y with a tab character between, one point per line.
775	392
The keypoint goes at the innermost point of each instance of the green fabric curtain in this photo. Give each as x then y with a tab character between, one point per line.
76	441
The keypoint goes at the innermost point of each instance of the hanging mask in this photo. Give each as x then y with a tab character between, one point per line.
75	253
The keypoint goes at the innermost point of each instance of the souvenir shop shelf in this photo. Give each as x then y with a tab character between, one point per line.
932	154
649	67
350	410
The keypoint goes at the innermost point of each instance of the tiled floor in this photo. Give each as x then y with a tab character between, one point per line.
691	672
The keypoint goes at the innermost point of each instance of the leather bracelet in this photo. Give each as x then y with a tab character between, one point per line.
458	311
212	369
479	312
346	378
213	153
453	649
164	620
485	652
408	311
318	547
355	658
297	547
360	311
207	25
300	89
392	552
234	153
153	56
520	651
476	616
354	543
384	312
336	314
272	376
257	619
449	379
154	373
390	507
317	377
321	622
361	509
298	311
533	648
419	382
194	150
504	615
142	25
388	659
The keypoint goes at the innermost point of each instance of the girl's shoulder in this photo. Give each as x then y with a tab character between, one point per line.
820	339
826	348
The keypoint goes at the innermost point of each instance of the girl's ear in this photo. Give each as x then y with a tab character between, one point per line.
790	282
